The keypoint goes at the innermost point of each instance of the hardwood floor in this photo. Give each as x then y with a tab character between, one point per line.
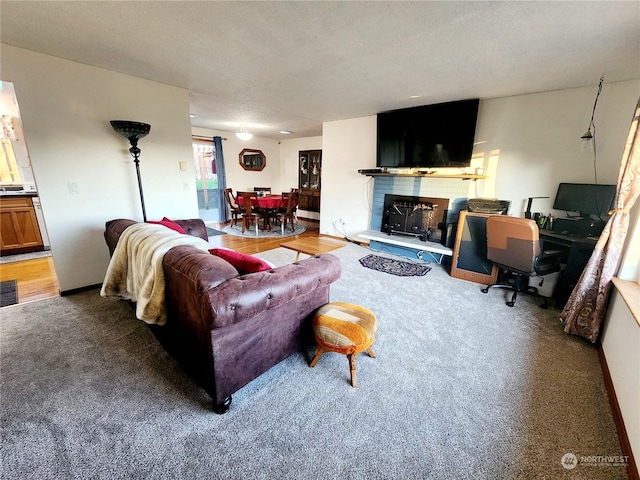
257	245
37	278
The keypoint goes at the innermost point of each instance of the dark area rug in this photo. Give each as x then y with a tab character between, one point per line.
8	293
394	267
212	233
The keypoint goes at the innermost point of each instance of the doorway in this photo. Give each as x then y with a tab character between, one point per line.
206	180
25	255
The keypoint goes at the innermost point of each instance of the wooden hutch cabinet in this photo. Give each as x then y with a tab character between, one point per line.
309	168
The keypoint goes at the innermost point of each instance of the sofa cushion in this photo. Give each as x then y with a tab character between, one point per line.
241	261
169	224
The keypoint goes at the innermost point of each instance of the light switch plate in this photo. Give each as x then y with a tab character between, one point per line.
183	166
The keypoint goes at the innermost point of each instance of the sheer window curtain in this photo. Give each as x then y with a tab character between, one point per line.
585	310
218	158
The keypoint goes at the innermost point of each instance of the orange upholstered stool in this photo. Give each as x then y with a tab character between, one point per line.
344	328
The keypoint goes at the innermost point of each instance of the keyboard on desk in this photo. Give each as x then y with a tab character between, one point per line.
566	237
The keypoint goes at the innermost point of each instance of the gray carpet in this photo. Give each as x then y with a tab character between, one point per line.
463	387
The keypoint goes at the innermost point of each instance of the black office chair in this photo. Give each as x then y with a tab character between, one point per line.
513	244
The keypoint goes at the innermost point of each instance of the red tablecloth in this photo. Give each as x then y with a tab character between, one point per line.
271	201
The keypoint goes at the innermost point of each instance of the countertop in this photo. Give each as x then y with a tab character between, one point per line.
18	194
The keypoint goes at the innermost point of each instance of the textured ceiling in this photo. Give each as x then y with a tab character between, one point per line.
294	65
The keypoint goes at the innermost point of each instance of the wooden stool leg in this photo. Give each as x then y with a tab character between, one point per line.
352	367
370	352
318	354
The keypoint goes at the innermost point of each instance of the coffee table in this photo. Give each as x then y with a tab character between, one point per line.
312	245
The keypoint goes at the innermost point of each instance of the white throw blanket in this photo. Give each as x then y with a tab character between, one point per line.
135	271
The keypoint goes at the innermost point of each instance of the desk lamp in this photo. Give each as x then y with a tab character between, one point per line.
527	213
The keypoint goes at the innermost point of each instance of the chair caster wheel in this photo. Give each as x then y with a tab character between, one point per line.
509	304
485	290
223	406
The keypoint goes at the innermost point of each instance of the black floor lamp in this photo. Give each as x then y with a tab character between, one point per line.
134	131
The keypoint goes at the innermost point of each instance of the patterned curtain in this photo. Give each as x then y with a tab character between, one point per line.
584	312
218	158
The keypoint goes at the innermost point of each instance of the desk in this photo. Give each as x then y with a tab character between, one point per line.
577	251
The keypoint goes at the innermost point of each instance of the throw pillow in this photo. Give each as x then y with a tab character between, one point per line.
242	262
169	224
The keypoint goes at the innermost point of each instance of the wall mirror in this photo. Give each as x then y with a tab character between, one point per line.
253	160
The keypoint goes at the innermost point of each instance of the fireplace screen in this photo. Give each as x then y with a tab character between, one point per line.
422	217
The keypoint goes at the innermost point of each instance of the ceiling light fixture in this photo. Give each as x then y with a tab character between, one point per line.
244	134
588	135
285	132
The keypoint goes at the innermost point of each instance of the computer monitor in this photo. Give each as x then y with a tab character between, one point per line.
586	198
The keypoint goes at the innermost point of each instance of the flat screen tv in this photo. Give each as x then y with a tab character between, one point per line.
439	135
586	198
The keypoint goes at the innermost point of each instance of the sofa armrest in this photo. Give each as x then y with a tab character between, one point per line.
194	227
245	297
114	228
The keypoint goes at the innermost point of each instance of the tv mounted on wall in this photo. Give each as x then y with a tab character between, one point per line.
438	135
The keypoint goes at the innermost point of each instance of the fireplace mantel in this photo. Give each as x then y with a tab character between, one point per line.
464	176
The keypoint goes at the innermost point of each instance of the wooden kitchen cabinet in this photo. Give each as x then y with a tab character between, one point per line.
309	170
19	229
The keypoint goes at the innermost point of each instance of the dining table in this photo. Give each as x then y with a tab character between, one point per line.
268	202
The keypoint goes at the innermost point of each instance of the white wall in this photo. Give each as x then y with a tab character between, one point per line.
237	177
66	108
621	345
347	146
534	140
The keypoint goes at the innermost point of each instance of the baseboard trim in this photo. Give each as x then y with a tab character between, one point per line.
632	467
64	293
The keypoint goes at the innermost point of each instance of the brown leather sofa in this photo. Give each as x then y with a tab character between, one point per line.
227	329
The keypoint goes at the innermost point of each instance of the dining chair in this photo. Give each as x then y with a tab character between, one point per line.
289	211
261	191
234	208
249	214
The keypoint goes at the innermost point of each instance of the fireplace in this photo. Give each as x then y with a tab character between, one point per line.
422	217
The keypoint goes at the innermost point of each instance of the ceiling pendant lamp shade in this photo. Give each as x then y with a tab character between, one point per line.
244	134
134	131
